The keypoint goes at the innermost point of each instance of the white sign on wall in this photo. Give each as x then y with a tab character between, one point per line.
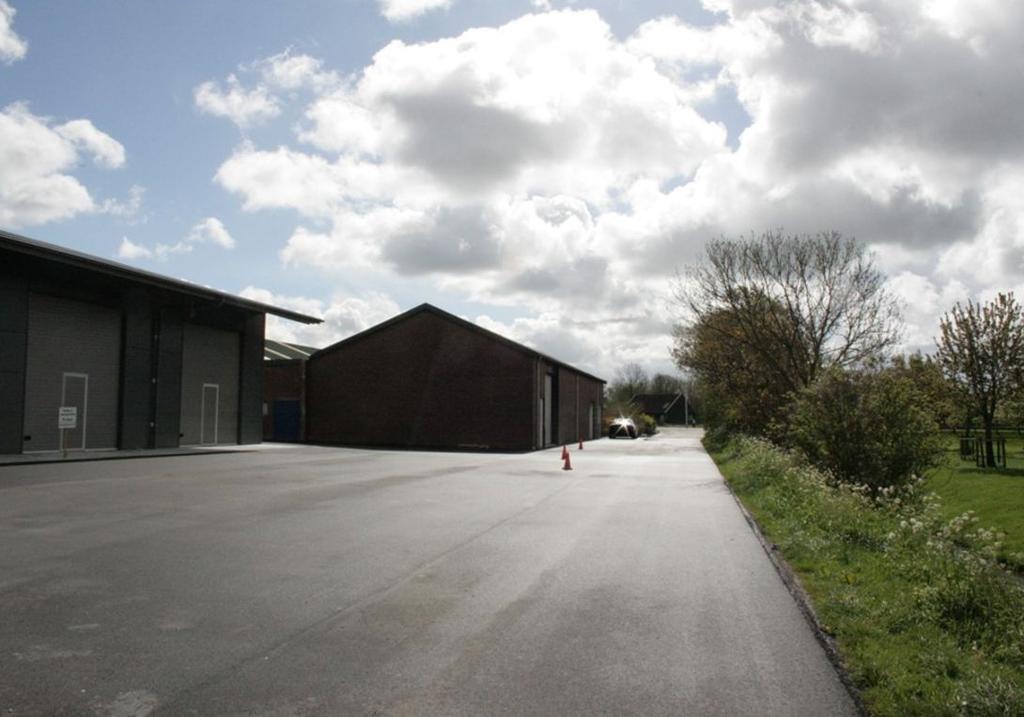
67	417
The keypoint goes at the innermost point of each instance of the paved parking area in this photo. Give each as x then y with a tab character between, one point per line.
306	580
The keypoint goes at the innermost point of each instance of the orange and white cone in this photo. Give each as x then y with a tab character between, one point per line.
567	466
565	452
581	444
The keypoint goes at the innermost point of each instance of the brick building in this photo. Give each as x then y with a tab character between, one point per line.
665	408
428	379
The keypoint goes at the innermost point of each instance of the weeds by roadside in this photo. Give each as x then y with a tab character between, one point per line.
928	620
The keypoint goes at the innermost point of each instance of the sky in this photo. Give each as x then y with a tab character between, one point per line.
545	168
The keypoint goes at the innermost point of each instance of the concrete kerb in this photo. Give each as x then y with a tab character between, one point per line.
803	601
21	459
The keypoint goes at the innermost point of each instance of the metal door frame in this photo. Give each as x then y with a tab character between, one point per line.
85	401
548	420
202	414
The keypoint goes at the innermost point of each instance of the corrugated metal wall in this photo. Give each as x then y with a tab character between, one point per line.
210	358
74	353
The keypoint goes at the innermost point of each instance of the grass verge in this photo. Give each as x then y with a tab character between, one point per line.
926	621
995	495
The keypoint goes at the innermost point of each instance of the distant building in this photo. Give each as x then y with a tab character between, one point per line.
665	408
428	379
144	361
284	390
281	351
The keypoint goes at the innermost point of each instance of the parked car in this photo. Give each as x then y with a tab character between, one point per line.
622	427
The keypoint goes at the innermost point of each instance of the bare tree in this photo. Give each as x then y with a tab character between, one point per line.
981	350
798	304
665	383
630	379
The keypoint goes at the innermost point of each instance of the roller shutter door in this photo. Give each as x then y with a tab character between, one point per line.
74	355
209	386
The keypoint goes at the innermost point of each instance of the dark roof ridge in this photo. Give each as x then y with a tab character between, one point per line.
448	316
45	250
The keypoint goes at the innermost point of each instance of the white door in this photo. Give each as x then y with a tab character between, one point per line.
75	392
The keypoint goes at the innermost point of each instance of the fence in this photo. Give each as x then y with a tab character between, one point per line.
974	447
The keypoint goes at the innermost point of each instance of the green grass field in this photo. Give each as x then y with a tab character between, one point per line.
996	495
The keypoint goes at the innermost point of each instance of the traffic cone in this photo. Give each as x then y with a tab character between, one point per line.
568	463
565	453
581	444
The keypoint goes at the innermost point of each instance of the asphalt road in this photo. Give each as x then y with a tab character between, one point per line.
307	580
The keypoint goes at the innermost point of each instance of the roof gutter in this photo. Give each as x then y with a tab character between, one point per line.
52	252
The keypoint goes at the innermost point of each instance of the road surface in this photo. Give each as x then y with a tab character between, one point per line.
310	580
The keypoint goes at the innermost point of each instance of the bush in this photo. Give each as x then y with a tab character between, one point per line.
646	424
866	427
716	437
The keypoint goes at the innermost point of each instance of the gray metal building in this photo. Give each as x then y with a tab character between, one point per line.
146	361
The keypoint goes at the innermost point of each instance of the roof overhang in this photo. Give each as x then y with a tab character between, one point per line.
53	253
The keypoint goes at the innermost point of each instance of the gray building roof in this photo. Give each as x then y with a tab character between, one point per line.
51	252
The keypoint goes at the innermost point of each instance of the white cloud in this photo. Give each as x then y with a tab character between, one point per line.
212	231
209	231
340	123
106	150
924	301
12	47
289	71
128	209
404	10
342	315
35	161
593	342
463	155
576	111
547	166
130	250
243	107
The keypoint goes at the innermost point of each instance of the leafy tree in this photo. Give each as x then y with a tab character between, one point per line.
798	304
981	350
869	427
738	392
926	375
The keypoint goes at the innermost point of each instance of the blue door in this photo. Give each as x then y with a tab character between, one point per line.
287	419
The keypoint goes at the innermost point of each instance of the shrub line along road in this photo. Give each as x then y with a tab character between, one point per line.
307	580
